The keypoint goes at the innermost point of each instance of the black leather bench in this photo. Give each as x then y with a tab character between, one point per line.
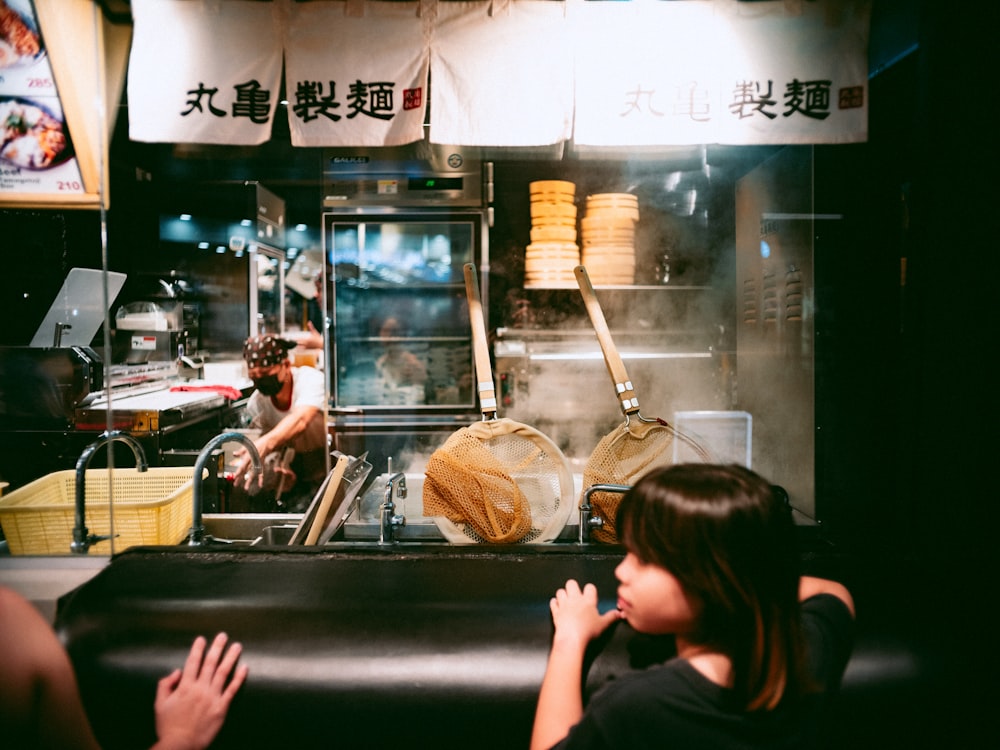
423	646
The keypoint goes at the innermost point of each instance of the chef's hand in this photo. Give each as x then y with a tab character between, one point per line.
307	339
191	704
244	469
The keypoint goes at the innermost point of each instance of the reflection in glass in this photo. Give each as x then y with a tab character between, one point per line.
402	331
267	312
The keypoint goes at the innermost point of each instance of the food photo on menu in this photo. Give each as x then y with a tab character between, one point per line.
33	133
31	137
20	42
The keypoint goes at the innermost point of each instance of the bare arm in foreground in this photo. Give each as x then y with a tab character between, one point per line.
577	622
40	704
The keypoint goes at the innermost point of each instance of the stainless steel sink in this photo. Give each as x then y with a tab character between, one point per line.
246	528
275	536
362	525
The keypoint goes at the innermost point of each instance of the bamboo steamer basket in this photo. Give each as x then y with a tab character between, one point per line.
559	187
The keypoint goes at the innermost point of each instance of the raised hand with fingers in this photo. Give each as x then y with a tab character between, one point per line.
191	703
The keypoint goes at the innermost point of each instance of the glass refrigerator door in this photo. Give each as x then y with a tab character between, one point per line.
401	333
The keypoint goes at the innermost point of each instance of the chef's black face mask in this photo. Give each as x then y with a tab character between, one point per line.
269	385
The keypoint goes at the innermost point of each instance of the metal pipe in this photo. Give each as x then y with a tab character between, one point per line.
388	518
196	536
57	336
82	538
588	522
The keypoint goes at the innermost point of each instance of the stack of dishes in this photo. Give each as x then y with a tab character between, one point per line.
607	231
553	253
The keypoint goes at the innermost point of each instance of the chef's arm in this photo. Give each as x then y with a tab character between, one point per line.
811	586
290	427
307	339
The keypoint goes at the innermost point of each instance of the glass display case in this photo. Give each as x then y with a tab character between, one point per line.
402	339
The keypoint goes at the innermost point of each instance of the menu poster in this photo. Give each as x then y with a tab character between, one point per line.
36	153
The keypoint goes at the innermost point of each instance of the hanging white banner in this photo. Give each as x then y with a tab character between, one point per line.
720	72
502	74
645	73
204	71
794	73
356	73
506	72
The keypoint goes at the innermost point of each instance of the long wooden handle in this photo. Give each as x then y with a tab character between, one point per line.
627	399
324	507
480	345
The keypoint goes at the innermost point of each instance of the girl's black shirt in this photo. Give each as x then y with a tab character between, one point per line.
672	705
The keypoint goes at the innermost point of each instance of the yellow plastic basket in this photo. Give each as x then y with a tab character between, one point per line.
151	507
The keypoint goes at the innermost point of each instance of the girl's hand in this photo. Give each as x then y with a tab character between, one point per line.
577	622
575	615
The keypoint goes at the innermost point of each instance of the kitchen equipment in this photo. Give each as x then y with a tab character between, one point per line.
553	252
328	495
54	401
150	331
607	232
497	480
344	495
355	480
629	451
398	308
281	468
401	223
150	507
78	310
71	387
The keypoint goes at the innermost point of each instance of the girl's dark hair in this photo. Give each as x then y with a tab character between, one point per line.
728	537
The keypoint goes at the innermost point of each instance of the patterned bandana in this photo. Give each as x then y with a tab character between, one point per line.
266	350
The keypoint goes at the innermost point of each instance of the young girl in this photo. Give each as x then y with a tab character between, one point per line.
711	559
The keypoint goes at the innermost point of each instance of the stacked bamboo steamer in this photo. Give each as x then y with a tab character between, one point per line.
607	231
553	253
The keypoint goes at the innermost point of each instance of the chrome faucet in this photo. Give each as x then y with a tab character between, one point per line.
197	536
588	521
389	519
82	538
